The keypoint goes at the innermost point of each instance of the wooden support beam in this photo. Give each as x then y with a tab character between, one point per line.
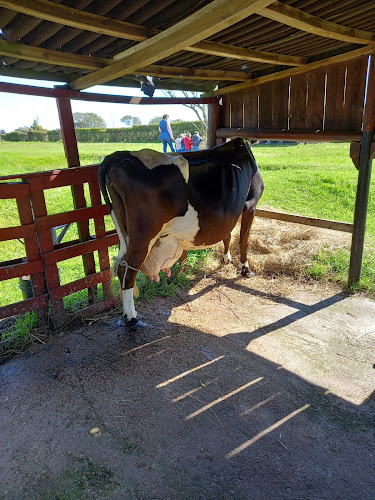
207	21
291	135
213	123
71	152
88	62
364	179
308	221
245	54
285	14
64	93
347	56
67	16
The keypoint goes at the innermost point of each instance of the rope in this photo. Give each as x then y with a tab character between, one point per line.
122	262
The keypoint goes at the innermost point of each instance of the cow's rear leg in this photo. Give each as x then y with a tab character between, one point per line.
246	223
227	255
127	273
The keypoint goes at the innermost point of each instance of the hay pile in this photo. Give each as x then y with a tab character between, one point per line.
278	248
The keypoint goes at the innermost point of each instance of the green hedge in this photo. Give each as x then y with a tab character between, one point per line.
139	133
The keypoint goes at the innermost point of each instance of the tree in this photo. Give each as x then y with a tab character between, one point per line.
35	126
199	109
88	120
155	121
130	121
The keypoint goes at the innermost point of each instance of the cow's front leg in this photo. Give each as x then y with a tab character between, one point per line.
127	275
227	255
246	223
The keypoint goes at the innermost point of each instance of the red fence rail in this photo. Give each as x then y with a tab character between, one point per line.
43	255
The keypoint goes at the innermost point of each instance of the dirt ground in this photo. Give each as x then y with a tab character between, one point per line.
238	389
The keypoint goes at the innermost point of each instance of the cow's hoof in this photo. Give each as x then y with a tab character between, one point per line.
246	273
136	324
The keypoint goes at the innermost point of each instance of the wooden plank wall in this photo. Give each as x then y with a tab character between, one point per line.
325	99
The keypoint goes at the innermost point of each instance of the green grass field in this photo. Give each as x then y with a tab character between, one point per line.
318	180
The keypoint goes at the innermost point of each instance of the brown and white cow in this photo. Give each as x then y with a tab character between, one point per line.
164	204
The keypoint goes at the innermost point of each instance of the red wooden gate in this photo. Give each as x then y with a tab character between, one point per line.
42	255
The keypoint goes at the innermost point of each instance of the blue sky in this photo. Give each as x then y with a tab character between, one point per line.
18	110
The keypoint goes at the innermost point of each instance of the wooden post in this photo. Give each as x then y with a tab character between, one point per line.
71	152
364	178
213	123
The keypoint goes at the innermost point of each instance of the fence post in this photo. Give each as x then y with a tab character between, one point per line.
364	178
71	152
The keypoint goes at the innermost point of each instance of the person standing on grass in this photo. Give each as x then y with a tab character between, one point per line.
196	139
187	141
178	144
166	134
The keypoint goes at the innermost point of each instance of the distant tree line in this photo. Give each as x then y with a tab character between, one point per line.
90	127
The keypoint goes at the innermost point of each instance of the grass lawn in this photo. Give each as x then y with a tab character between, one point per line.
318	180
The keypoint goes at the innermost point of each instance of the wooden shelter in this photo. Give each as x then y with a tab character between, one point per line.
284	70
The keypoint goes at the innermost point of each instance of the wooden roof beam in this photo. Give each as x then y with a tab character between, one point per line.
285	14
245	54
49	11
87	62
205	22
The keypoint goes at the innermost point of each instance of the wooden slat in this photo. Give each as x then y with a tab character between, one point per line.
92	309
354	92
81	284
203	23
334	113
35	303
81	214
297	110
100	231
265	106
309	221
18	270
250	108
60	178
13	190
236	110
12	233
79	249
280	96
91	170
315	99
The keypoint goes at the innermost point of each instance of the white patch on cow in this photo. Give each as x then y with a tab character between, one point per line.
152	159
176	236
227	257
128	308
245	264
123	244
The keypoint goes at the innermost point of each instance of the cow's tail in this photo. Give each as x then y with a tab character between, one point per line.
102	177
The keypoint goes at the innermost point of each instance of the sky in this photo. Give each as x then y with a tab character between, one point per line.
18	110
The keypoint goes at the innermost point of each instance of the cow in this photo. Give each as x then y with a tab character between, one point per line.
165	204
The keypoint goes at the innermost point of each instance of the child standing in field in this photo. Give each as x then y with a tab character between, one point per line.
196	139
178	143
187	141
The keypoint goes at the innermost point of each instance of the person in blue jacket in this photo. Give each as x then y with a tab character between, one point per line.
166	134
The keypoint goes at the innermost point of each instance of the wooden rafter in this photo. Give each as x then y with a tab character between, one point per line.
245	54
87	62
207	21
49	11
296	18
